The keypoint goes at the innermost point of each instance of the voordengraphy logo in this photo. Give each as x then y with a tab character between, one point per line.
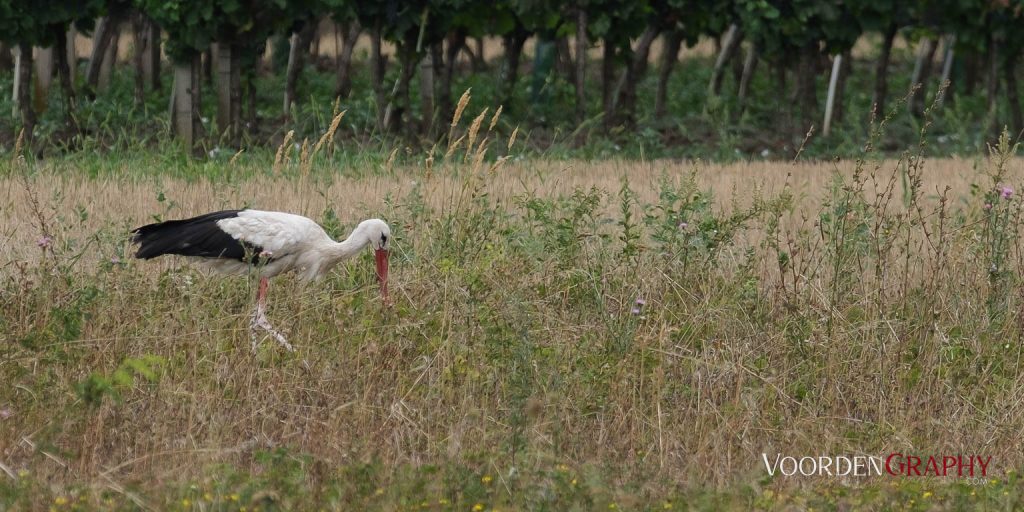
895	464
951	465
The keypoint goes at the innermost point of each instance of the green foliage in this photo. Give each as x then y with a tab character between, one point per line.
561	227
412	25
781	27
38	23
1002	216
630	238
690	129
96	386
193	24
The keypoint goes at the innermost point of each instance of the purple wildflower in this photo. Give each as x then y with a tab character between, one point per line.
640	302
683	225
115	260
635	311
988	206
44	242
5	413
1006	191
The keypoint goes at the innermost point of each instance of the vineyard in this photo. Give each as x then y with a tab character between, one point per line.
691	78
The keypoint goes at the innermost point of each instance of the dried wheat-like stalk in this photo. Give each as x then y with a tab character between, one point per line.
18	158
453	146
497	164
473	130
494	120
234	157
482	147
391	160
512	138
288	154
429	162
478	158
459	108
305	158
329	135
279	158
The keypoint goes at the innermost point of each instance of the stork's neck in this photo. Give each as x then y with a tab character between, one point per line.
347	248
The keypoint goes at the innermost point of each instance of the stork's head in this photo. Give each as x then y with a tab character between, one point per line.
378	236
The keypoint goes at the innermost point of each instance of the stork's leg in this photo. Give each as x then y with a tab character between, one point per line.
259	319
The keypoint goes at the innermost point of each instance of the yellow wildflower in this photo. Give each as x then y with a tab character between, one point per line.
186	503
61	500
234	497
478	507
927	494
486	479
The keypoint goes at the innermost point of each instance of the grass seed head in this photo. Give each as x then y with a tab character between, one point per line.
453	147
494	120
390	163
498	164
305	157
473	130
17	158
234	158
282	153
460	107
329	134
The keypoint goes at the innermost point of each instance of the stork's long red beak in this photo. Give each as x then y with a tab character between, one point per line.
381	255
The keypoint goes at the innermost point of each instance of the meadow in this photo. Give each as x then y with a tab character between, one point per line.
567	334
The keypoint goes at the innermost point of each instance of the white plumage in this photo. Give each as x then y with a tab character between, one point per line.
272	243
296	243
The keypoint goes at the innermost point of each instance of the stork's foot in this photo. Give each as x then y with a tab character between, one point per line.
259	321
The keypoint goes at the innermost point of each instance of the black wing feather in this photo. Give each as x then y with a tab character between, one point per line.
199	236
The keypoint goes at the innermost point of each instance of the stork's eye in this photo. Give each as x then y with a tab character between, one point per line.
383	240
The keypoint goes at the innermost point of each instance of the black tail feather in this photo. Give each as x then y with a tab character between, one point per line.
198	236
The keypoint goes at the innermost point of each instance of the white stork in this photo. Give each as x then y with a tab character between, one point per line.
271	243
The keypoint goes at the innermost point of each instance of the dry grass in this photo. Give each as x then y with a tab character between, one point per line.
110	202
806	309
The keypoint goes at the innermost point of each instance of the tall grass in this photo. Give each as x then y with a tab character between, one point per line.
635	344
